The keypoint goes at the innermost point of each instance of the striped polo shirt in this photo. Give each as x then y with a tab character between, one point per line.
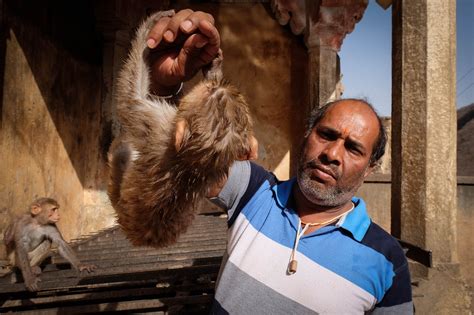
352	267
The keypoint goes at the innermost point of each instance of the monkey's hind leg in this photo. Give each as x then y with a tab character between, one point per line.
119	156
38	255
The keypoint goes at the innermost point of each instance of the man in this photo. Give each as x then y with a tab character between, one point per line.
305	245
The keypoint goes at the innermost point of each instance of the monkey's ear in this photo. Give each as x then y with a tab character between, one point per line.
35	209
181	130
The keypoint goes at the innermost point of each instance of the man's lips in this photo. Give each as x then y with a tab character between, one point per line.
322	172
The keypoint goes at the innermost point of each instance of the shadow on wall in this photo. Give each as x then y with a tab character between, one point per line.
63	52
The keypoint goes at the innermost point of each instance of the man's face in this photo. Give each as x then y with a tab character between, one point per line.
336	156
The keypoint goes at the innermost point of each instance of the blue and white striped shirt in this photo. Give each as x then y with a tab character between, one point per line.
352	267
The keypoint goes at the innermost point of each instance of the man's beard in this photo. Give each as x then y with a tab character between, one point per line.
321	194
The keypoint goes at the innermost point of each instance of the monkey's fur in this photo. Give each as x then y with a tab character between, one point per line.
155	179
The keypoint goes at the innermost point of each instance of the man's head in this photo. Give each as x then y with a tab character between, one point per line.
344	142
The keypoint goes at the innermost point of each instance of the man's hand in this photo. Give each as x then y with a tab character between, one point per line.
181	45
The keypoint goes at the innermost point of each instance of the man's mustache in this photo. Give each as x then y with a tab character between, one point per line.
328	169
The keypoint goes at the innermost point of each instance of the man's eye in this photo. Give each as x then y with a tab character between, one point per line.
326	135
353	149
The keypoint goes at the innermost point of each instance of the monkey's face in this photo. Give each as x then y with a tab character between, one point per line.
46	213
53	213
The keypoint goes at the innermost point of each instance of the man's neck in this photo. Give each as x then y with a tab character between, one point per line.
310	212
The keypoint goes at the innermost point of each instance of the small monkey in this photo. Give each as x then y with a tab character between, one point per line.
167	158
30	237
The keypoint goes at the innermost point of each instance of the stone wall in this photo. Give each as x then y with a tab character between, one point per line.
51	137
376	193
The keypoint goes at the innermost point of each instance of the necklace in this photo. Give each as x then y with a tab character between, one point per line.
293	264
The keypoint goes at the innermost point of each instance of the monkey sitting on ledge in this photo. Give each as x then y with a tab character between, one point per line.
30	237
166	158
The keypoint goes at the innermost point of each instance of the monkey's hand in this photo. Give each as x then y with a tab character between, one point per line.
87	267
251	154
31	283
182	44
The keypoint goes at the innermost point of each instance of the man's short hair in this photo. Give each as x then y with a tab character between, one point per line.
379	147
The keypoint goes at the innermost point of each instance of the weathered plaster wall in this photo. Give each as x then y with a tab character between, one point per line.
50	136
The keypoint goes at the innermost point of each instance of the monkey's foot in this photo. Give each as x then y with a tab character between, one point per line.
36	270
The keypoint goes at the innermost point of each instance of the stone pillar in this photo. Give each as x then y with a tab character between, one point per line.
328	22
424	126
323	75
325	23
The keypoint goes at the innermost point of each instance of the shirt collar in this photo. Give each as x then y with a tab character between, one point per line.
356	222
283	191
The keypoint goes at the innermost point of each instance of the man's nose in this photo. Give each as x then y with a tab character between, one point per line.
334	151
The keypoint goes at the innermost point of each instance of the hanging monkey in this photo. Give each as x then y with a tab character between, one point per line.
167	158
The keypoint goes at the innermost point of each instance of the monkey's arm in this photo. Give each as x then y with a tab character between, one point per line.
66	251
22	261
215	189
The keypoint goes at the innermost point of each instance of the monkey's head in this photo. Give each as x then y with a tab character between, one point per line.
213	126
45	210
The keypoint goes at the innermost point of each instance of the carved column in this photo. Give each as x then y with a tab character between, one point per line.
328	22
325	23
424	126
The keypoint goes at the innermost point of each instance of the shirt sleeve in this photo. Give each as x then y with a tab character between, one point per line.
243	181
234	188
398	299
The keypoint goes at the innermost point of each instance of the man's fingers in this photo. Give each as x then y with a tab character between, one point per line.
252	153
194	43
253	144
193	50
210	31
156	34
214	41
185	21
194	19
171	31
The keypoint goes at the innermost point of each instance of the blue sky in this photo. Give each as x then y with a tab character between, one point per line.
366	56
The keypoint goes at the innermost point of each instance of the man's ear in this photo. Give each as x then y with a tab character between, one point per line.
35	209
180	133
370	169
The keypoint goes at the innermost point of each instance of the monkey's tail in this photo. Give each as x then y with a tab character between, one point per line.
139	112
213	71
134	78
